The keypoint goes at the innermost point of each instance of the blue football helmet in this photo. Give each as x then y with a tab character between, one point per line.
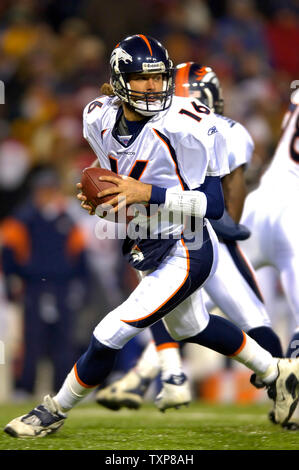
142	54
201	82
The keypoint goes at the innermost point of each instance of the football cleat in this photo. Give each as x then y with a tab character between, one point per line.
290	425
175	392
271	416
42	420
128	392
294	424
256	381
284	391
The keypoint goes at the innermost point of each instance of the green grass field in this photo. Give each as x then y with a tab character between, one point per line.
198	427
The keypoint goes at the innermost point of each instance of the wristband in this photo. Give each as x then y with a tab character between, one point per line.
158	195
188	202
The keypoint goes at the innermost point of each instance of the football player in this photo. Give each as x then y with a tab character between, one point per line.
174	150
271	213
232	288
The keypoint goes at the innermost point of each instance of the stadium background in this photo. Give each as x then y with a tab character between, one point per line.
53	58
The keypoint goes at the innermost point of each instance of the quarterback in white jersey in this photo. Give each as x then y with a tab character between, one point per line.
164	152
271	213
232	288
142	78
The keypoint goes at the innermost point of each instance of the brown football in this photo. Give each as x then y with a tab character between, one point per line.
91	185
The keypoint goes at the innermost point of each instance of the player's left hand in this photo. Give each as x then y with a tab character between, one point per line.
83	199
129	191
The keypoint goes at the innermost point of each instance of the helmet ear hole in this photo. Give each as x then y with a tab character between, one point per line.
142	54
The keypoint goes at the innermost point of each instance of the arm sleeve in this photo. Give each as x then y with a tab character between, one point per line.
212	188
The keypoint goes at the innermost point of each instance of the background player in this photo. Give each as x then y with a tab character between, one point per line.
232	288
142	81
271	213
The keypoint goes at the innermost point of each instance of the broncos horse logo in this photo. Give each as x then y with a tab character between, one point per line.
117	55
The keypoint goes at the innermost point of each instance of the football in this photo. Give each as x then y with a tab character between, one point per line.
91	185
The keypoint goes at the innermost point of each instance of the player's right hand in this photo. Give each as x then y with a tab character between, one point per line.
82	199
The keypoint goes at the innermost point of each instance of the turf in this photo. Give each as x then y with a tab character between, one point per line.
198	427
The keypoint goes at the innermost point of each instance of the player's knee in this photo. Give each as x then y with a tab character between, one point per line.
113	332
177	337
181	326
180	332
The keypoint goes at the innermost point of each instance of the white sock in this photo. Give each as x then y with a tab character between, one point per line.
71	392
170	360
148	365
260	361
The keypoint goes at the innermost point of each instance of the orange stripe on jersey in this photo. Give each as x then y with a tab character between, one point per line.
147	42
251	271
167	346
176	168
80	381
172	295
241	347
181	80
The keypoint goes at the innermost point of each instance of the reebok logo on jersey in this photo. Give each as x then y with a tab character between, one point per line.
212	130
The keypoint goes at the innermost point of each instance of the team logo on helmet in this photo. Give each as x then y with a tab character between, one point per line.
119	54
199	74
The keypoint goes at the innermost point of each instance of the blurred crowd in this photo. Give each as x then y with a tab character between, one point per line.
54	56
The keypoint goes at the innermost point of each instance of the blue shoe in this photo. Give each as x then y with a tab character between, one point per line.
42	420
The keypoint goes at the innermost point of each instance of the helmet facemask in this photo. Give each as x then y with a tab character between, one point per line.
145	103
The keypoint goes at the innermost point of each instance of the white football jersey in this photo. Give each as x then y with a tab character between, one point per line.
285	162
177	147
239	142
